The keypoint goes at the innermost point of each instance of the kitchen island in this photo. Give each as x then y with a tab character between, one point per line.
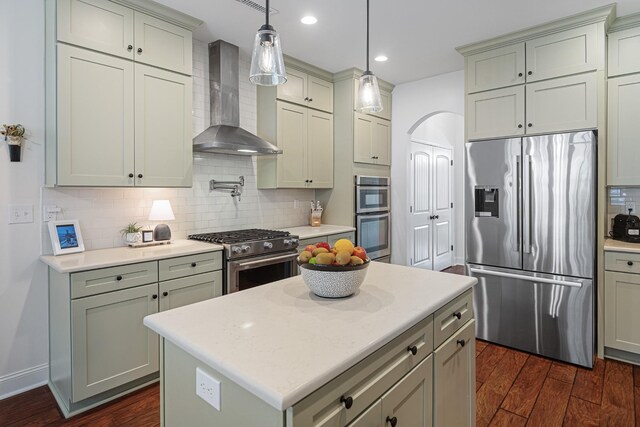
402	348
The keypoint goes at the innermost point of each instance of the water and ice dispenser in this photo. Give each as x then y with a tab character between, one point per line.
487	201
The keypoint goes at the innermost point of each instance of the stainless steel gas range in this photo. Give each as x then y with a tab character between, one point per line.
254	257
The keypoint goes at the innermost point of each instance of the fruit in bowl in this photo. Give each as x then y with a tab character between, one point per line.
335	272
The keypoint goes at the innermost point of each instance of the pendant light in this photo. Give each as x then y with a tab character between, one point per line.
267	65
369	100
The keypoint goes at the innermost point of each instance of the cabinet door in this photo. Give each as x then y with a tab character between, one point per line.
372	417
320	149
561	54
188	290
162	44
454	379
291	135
320	93
163	148
410	400
295	89
565	104
381	143
624	130
94	118
621	315
96	24
363	130
110	345
623	52
496	68
496	113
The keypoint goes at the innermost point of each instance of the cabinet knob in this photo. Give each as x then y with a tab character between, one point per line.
193	264
461	342
393	421
306	98
310	181
458	315
118	278
154	296
413	349
139	175
139	50
520	126
310	99
348	401
530	73
130	175
130	48
519	74
530	125
165	294
629	263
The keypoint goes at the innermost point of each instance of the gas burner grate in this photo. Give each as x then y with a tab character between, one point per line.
239	236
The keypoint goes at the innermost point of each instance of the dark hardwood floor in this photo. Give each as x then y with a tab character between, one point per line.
513	389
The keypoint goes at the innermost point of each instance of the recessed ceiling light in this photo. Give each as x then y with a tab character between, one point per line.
309	20
380	58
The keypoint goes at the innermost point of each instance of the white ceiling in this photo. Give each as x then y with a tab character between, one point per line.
418	36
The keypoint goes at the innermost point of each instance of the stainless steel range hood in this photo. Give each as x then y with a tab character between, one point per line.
225	134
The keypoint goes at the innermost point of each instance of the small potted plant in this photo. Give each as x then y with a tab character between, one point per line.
131	233
13	135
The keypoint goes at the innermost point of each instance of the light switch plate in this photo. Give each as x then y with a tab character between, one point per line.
20	214
208	388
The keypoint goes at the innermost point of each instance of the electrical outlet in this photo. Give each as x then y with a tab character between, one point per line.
208	388
50	213
630	205
20	214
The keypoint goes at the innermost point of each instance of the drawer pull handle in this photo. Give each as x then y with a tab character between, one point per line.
458	315
413	350
154	296
193	264
348	401
630	263
118	278
461	342
165	294
393	421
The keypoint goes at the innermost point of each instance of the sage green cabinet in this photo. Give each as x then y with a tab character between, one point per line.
496	113
496	68
410	401
624	46
305	89
371	140
623	130
372	417
188	290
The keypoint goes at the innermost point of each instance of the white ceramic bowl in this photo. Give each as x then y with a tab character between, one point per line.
331	281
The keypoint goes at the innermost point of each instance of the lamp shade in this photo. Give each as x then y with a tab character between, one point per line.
267	64
369	100
161	211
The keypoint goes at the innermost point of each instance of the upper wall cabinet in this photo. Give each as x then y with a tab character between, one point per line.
624	51
112	120
496	68
306	89
623	131
496	113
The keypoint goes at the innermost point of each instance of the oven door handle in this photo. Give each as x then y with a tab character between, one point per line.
241	265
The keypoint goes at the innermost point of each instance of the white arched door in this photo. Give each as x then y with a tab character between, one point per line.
430	234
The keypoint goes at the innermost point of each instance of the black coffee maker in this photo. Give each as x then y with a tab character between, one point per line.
626	228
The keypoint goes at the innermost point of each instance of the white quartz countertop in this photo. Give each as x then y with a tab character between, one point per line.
308	232
281	342
101	258
618	246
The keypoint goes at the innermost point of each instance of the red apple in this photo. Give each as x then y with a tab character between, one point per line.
360	253
323	245
311	248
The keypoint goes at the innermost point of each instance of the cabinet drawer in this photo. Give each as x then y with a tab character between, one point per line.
95	282
189	290
366	381
621	261
451	317
370	418
332	239
175	268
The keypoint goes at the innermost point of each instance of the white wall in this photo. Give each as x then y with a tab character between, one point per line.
102	212
412	102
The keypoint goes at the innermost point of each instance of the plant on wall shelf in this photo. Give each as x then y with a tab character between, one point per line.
13	135
131	233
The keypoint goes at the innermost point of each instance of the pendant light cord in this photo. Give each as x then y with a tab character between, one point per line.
267	12
367	35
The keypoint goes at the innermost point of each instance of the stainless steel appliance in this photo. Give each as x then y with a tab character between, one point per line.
531	232
373	216
254	257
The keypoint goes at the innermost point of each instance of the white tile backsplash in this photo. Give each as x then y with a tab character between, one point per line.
102	212
618	197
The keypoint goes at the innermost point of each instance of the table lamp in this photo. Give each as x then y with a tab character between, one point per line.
161	211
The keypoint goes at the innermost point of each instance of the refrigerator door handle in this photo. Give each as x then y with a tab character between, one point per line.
526	204
526	278
516	201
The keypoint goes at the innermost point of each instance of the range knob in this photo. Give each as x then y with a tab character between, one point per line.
294	241
245	248
236	249
268	245
287	242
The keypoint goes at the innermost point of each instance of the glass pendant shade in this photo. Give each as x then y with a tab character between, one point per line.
369	100
267	64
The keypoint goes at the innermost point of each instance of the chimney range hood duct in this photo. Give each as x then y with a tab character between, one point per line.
225	134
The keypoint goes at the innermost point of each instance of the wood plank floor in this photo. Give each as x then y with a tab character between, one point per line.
513	389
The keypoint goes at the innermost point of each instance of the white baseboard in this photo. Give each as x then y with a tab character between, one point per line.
21	381
459	260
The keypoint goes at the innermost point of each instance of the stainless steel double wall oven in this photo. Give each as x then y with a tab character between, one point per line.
373	216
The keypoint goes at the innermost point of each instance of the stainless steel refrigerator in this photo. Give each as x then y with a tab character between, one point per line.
531	233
